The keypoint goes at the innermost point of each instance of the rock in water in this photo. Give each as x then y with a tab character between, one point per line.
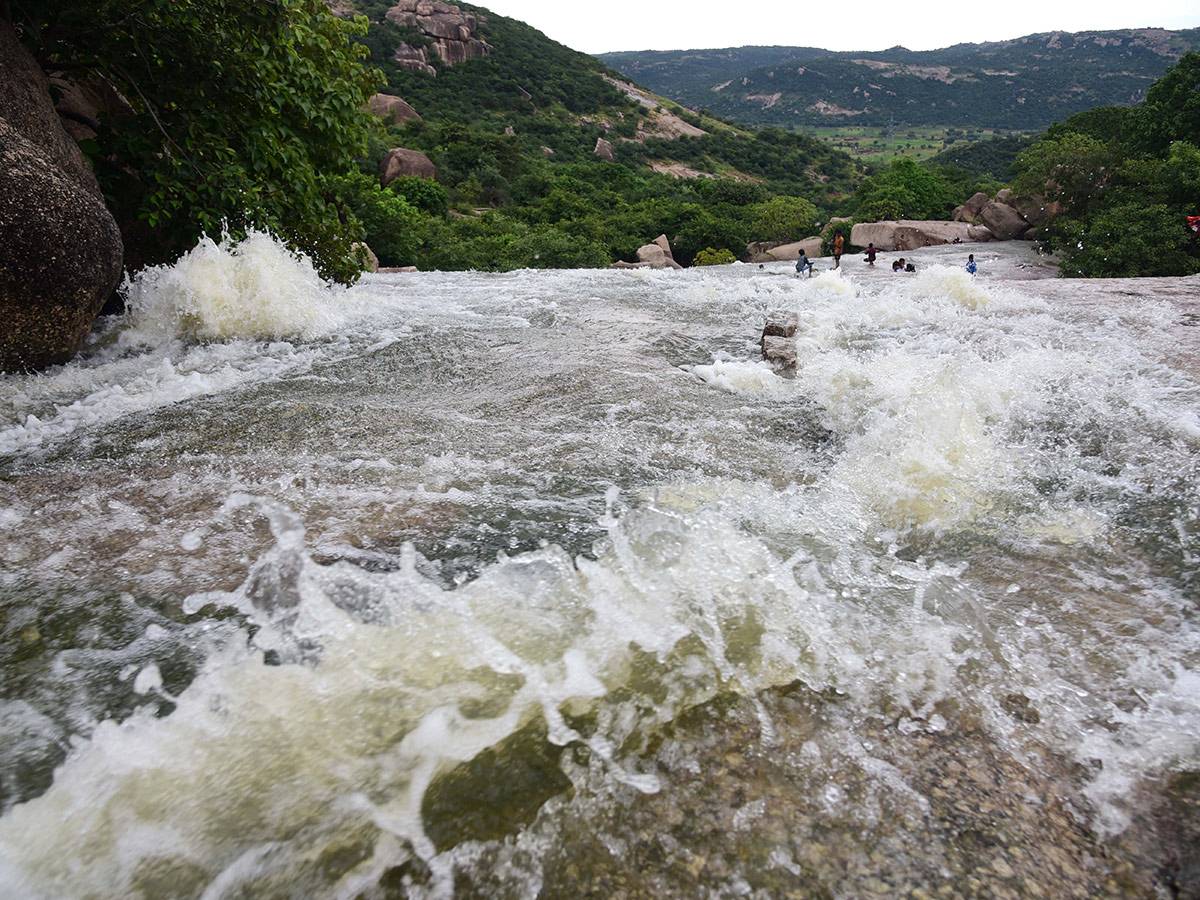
778	346
60	249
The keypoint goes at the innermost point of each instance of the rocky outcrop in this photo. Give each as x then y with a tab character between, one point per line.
762	251
60	249
451	31
970	210
413	59
657	254
400	161
392	110
909	234
1004	222
604	150
1035	210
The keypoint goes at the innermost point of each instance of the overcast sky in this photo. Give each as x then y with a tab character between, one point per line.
598	27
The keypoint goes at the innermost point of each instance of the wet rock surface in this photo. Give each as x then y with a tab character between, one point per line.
888	809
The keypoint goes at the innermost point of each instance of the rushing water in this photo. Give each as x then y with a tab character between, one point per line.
544	584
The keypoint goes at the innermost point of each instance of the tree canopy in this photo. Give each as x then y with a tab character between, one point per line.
232	114
1126	180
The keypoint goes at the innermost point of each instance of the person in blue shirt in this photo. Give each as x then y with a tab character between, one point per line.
971	263
804	263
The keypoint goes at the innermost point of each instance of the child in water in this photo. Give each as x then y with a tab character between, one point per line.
802	263
971	263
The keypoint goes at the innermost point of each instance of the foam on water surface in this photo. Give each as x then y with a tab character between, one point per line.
366	545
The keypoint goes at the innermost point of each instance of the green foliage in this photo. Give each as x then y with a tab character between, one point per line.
236	111
1073	169
1126	241
989	159
710	257
389	222
1124	192
1172	109
1107	124
734	192
784	219
424	194
904	190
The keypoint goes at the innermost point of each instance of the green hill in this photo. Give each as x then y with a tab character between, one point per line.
555	99
1023	84
548	157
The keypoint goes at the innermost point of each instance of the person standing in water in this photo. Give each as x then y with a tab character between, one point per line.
971	263
870	254
839	245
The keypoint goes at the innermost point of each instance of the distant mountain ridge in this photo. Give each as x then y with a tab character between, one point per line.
1022	84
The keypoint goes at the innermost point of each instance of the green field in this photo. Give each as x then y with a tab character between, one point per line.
875	145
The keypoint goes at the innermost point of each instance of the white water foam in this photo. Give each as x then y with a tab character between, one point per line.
949	412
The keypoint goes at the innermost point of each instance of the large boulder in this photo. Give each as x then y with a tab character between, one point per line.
1004	222
785	252
400	161
655	257
60	249
60	257
26	103
604	149
975	205
392	110
1034	210
909	234
662	242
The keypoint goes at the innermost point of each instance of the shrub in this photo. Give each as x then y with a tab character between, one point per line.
424	194
784	219
710	257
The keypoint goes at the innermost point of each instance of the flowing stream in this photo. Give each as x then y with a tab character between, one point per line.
544	584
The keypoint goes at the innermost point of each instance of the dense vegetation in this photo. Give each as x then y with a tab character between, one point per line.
539	197
1023	84
1126	180
243	113
994	158
233	113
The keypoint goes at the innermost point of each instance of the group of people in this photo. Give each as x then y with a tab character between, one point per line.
804	264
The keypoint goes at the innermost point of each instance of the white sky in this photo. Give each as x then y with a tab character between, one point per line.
599	27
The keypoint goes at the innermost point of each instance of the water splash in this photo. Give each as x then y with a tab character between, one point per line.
253	288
